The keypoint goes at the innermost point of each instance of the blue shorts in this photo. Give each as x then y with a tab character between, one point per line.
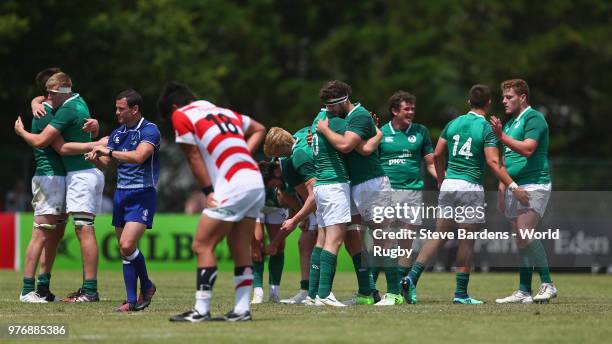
134	205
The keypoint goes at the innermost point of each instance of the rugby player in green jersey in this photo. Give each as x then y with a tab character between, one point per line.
272	216
525	141
332	198
404	147
49	204
84	182
468	142
364	171
49	201
297	170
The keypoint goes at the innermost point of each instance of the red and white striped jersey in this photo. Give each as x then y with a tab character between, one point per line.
219	135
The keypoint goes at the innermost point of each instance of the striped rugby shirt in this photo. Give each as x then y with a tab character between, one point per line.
219	135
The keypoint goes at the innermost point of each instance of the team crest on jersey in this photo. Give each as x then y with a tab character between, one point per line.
412	139
388	139
145	214
117	139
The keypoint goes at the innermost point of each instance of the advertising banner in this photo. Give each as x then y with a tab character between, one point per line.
166	247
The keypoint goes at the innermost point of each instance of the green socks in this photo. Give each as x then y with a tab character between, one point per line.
364	278
44	280
462	279
28	285
315	271
538	259
258	270
392	276
375	270
328	270
403	271
525	271
415	272
90	286
533	257
275	267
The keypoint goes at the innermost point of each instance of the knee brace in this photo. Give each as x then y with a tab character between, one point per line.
354	227
44	226
81	220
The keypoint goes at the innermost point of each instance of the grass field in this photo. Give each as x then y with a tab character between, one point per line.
582	313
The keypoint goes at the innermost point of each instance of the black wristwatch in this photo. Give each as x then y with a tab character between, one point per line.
110	153
208	190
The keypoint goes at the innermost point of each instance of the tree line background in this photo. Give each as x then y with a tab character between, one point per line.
268	59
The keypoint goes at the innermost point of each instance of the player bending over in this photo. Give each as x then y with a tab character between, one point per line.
218	143
296	170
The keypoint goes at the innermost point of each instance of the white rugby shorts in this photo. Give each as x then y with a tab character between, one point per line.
333	204
49	195
462	196
365	196
539	194
237	206
273	215
412	198
312	222
84	191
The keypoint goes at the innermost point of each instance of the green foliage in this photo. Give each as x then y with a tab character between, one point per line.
268	58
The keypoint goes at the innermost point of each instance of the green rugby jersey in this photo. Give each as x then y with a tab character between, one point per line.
48	162
290	176
401	154
69	119
299	167
301	156
529	124
330	167
467	137
362	168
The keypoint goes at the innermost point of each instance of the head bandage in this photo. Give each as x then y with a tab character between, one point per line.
63	89
335	101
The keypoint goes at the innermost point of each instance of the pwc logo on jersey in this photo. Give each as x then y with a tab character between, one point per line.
397	161
412	139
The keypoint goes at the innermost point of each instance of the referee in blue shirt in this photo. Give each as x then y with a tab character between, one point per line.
135	148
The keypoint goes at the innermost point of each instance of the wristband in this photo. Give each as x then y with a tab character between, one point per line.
208	190
110	153
513	186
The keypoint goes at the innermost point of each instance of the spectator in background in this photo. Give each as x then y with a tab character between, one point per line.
18	199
